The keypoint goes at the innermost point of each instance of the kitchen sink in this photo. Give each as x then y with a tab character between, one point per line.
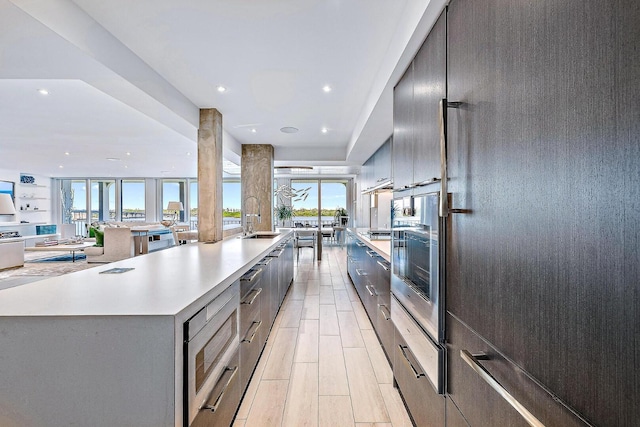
261	235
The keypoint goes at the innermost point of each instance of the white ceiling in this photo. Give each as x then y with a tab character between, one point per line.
130	77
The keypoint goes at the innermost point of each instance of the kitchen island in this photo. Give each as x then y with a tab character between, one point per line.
92	348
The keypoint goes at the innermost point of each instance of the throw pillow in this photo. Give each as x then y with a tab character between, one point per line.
99	235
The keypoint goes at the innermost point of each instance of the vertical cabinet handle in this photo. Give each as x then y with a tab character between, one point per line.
224	381
472	361
443	208
372	293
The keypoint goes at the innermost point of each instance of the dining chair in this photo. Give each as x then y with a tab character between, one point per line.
305	239
182	234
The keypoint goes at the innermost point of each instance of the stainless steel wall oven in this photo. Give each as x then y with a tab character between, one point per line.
416	283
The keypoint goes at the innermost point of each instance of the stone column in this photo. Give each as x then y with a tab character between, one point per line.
210	176
256	175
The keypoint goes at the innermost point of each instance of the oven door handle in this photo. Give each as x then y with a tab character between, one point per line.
222	384
410	360
381	264
387	314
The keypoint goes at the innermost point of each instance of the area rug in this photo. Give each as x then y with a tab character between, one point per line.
62	258
46	269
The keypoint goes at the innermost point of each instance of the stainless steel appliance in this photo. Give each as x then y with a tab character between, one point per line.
417	310
211	361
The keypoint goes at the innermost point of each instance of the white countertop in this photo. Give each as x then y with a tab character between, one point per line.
162	283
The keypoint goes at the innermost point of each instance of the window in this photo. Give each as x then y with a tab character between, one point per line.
73	204
173	190
133	200
231	203
193	204
333	197
305	206
103	200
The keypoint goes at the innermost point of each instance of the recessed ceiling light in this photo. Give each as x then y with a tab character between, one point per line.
126	167
324	130
128	153
61	167
326	88
289	129
188	153
221	89
66	153
253	130
113	159
43	92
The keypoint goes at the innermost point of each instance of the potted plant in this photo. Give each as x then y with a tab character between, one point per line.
341	216
283	213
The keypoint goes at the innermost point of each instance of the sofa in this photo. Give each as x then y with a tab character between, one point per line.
118	245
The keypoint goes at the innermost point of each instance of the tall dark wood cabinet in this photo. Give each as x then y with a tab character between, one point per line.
402	149
429	87
416	145
544	156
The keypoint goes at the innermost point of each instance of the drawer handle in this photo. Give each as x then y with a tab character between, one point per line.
383	265
252	277
361	272
360	244
410	359
225	380
372	293
382	308
371	253
472	360
251	298
255	326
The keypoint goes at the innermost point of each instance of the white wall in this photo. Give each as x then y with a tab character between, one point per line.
23	193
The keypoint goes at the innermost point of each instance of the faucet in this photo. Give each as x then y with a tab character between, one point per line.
249	220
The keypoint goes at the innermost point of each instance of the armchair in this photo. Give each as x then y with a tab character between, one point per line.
118	245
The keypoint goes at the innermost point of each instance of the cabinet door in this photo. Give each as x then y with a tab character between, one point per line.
480	403
429	87
544	155
403	131
382	163
424	404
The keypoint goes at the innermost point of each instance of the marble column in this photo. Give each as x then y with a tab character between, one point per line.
210	176
256	175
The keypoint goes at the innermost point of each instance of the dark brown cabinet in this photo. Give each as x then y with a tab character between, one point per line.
376	171
429	87
544	154
402	162
481	404
416	138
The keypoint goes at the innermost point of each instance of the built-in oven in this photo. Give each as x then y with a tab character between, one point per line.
416	285
211	361
417	244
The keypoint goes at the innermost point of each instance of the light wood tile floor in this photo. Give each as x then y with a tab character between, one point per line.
323	365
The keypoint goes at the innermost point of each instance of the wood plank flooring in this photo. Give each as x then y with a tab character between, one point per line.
322	365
